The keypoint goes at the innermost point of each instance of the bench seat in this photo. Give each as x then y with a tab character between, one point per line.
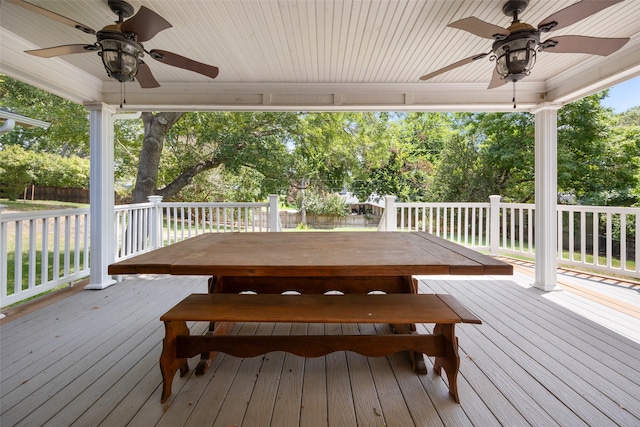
397	309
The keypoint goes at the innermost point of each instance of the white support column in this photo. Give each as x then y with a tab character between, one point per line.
494	225
274	214
101	196
390	215
546	194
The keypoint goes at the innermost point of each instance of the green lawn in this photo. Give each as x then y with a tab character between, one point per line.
38	205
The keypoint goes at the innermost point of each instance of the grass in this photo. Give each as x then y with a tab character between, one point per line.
38	205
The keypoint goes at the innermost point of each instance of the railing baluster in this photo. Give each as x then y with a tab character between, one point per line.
596	232
623	242
583	237
4	259
44	252
17	263
32	254
86	243
609	240
67	245
56	248
637	243
76	244
571	229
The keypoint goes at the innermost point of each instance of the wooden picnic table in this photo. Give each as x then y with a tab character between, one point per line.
312	254
312	263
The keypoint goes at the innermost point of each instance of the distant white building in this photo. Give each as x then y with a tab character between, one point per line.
374	205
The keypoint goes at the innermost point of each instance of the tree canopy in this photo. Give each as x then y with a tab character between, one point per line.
416	156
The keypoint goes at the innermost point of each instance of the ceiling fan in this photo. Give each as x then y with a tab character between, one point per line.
120	44
514	48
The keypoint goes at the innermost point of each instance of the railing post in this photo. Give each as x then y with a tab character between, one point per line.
155	226
274	215
3	253
390	214
494	225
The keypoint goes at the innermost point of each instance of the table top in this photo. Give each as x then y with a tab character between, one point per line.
313	254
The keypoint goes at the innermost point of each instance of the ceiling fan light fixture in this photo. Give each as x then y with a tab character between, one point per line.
120	55
515	56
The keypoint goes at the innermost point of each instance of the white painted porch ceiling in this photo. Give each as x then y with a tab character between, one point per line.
317	54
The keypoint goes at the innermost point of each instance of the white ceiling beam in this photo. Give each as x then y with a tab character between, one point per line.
324	97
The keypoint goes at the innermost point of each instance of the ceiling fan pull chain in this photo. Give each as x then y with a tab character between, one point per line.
122	94
514	95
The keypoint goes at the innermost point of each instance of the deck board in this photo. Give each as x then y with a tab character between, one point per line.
539	358
546	350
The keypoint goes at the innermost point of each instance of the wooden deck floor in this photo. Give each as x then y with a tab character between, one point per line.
542	359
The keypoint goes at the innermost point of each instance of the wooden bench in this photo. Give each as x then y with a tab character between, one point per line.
397	309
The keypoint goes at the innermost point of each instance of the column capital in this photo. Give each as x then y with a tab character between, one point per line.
94	106
546	106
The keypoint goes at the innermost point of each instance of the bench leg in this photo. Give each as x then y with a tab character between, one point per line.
451	362
169	362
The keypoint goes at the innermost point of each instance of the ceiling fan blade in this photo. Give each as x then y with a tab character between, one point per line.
67	49
182	62
454	65
496	80
575	12
479	27
52	15
145	24
145	77
583	44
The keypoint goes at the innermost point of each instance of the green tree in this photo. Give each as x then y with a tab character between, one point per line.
505	146
68	134
594	159
629	118
401	173
199	142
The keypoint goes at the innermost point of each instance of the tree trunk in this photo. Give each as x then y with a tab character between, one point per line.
156	127
186	177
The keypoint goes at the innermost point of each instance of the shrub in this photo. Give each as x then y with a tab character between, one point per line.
16	170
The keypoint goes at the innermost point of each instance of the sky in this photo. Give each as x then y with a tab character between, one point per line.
624	96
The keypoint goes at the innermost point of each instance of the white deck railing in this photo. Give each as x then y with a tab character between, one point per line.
605	239
40	251
142	227
63	236
464	223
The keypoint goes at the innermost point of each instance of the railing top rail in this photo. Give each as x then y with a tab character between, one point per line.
22	216
599	209
518	205
216	204
441	204
134	206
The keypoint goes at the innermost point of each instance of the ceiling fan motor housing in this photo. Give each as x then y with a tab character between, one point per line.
515	55
120	54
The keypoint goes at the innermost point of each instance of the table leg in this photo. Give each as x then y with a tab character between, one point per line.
451	362
205	358
416	358
410	285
